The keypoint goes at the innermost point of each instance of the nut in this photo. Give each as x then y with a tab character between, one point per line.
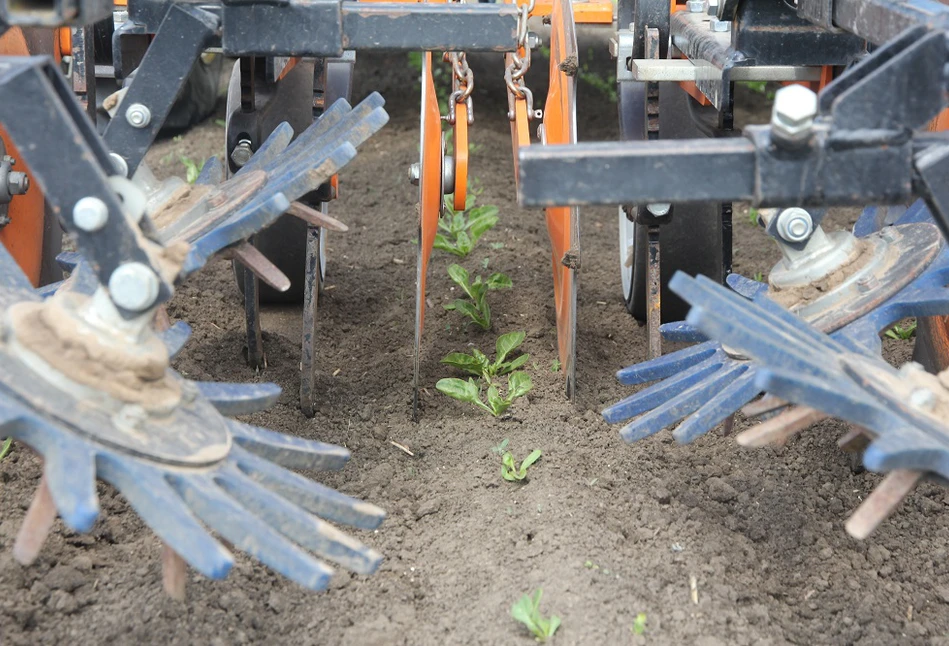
138	115
659	209
415	173
794	224
696	6
792	119
17	183
719	25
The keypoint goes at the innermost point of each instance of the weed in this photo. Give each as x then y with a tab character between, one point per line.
555	365
759	277
527	612
499	449
639	624
485	262
760	87
461	230
511	472
753	216
477	308
605	84
192	169
902	332
5	449
496	245
478	364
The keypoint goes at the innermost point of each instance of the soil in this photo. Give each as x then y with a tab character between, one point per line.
607	530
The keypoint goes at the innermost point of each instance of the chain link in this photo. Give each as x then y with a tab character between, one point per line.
514	73
462	84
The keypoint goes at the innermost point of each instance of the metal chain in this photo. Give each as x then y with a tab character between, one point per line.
514	73
463	85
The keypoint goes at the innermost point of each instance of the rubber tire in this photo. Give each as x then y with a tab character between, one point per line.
692	241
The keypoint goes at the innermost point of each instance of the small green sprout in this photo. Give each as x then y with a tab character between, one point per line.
477	309
500	448
192	169
753	216
518	385
5	449
759	277
485	262
478	364
555	365
527	612
902	332
459	231
639	625
496	245
511	472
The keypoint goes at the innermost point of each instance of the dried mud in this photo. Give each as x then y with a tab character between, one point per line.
608	530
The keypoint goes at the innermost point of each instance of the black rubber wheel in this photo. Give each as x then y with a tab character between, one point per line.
198	98
692	241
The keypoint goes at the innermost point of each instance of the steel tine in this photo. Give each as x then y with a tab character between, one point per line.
36	525
288	451
238	399
666	365
316	218
258	264
681	332
718	408
678	407
781	427
69	469
745	286
163	510
661	392
250	534
882	502
767	404
300	527
174	573
316	498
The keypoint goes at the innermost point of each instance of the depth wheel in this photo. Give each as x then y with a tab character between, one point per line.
692	241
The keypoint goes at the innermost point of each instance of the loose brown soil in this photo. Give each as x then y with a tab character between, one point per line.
608	530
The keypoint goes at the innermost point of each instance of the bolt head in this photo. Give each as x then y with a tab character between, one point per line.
415	173
242	153
17	183
90	214
659	209
121	166
795	107
719	25
138	115
696	6
133	286
533	40
795	224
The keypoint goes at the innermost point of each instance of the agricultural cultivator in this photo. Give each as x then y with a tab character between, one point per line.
86	377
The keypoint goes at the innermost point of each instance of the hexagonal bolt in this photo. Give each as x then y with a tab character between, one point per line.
133	286
90	214
794	225
533	40
719	25
659	209
696	6
792	119
138	115
17	183
242	153
415	174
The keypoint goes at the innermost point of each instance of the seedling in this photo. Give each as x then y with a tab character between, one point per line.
478	364
555	365
459	231
902	332
759	277
518	385
753	216
513	473
639	625
499	449
477	309
5	449
192	169
527	612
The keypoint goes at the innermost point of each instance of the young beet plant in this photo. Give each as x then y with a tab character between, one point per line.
527	612
486	371
477	308
459	231
511	472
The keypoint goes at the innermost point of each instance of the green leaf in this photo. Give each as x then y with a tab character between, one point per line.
524	611
528	461
506	344
481	220
511	366
499	281
518	385
5	449
554	625
508	470
464	362
459	389
464	244
441	243
639	625
460	276
497	404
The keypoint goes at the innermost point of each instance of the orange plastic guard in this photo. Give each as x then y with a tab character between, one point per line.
460	153
584	12
560	127
430	184
23	237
